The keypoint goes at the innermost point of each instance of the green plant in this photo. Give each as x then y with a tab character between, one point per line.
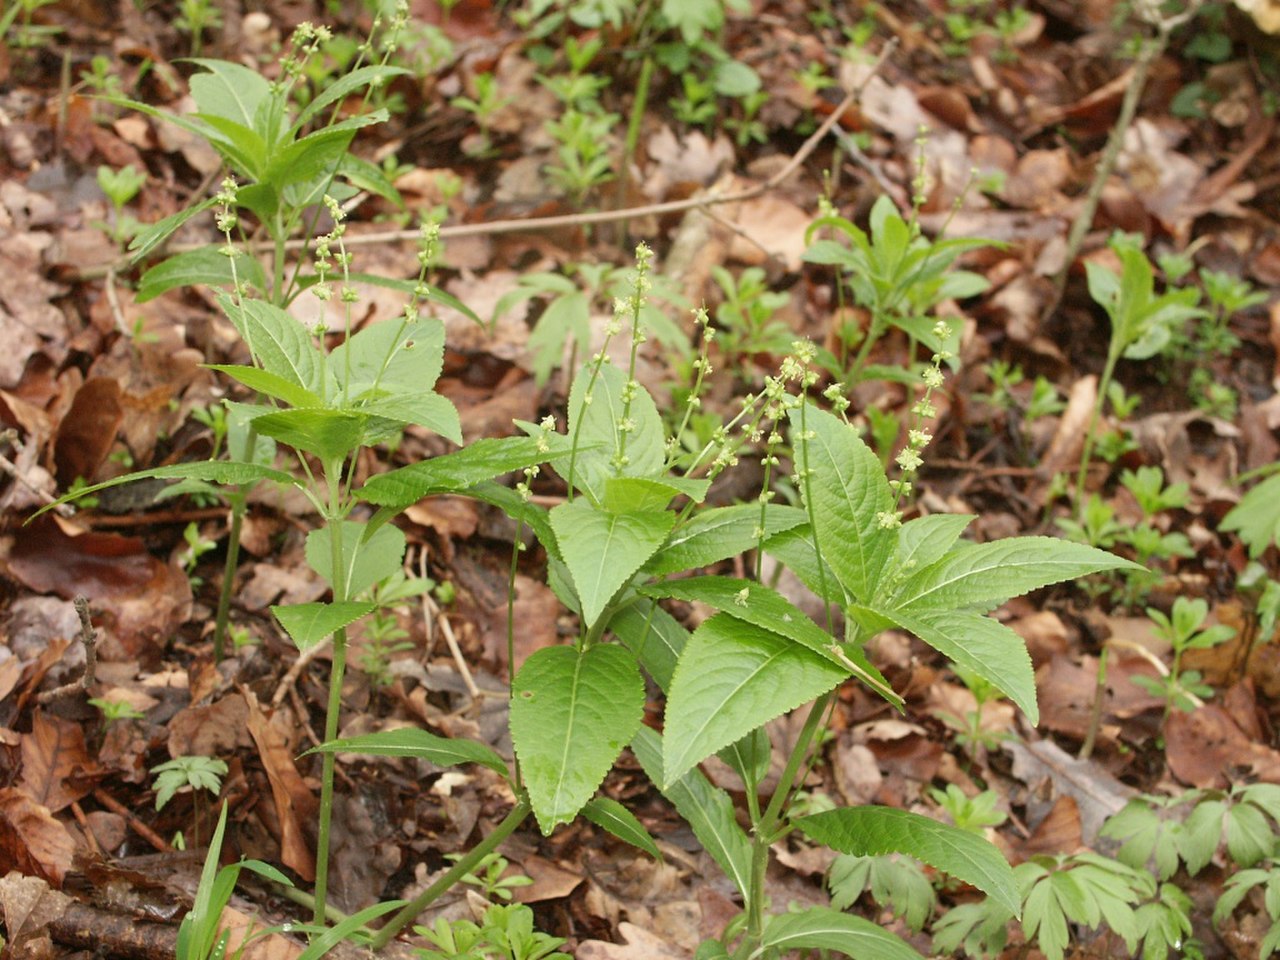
26	34
969	731
899	276
200	935
746	318
1143	323
975	813
507	933
383	637
115	710
1083	889
120	186
197	547
484	106
489	877
1181	629
581	158
1266	880
194	18
197	773
566	317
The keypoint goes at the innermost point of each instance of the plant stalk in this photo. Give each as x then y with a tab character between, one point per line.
410	911
763	834
228	574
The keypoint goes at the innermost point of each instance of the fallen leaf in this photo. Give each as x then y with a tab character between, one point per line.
640	945
1097	794
294	802
31	840
1204	746
29	906
56	767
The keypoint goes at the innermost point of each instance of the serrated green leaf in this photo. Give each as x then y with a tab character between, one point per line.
721	532
316	155
434	293
1043	919
565	315
309	623
983	576
794	550
769	610
572	712
426	409
750	757
641	494
412	742
153	235
925	540
266	382
707	809
204	266
457	471
326	433
979	643
369	555
228	90
604	550
612	816
849	493
821	928
596	425
520	510
654	637
281	344
733	677
870	831
240	146
393	355
1249	836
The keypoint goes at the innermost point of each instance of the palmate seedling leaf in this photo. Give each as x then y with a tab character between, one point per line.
707	809
869	831
769	610
983	576
228	472
457	471
721	532
976	641
412	742
323	432
821	928
572	712
369	555
603	550
1256	518
733	677
612	816
849	493
281	344
596	426
309	623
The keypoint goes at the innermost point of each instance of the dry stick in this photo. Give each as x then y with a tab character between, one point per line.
10	435
140	828
88	638
1151	51
431	613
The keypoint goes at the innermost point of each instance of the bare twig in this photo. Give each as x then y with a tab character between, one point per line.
431	614
10	435
89	638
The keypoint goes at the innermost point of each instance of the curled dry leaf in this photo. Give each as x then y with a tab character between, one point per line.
32	841
294	803
56	768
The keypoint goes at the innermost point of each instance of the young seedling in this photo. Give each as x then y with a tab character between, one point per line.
1181	629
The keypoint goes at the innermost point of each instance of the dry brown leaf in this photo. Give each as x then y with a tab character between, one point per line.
1097	794
551	881
1206	748
56	767
295	805
31	840
29	906
640	945
210	730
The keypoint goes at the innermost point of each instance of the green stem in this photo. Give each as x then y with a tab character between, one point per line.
763	834
333	473
228	574
638	105
455	873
